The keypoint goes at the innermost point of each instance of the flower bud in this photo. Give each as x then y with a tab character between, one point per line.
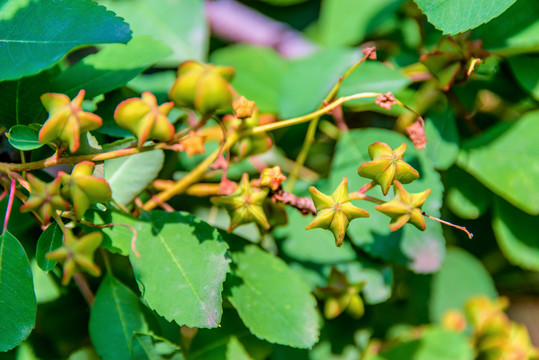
334	212
387	165
272	178
202	87
67	121
144	118
83	189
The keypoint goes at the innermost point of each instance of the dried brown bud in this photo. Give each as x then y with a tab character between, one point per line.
386	101
416	132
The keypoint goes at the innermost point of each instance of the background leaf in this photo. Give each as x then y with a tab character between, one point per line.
17	299
347	22
20	102
308	81
181	258
526	70
443	139
259	72
513	32
151	347
435	343
513	175
466	197
116	314
48	38
455	16
111	67
179	24
49	240
128	176
235	350
24	138
516	233
461	277
373	76
273	302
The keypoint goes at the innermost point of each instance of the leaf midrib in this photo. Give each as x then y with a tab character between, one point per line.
182	271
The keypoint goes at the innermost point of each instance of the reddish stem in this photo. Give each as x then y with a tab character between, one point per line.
462	228
9	204
84	289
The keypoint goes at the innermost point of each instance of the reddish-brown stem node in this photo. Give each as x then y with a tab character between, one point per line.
462	228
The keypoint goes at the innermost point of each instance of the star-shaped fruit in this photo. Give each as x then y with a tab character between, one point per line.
193	144
387	165
202	87
405	207
44	198
244	205
83	189
77	254
243	108
144	118
67	121
334	212
341	295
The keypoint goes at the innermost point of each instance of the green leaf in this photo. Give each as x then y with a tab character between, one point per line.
180	24
128	176
443	139
23	137
283	2
513	176
461	277
456	16
436	343
526	70
116	314
516	233
25	30
308	81
117	238
422	251
259	72
373	76
17	299
466	197
272	300
235	350
49	240
20	99
181	258
211	344
110	68
45	287
514	32
151	347
347	22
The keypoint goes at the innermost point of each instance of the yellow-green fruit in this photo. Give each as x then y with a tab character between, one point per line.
202	87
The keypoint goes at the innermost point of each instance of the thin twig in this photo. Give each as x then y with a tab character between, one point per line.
84	288
462	228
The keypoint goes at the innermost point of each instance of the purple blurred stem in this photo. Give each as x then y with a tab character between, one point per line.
236	22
